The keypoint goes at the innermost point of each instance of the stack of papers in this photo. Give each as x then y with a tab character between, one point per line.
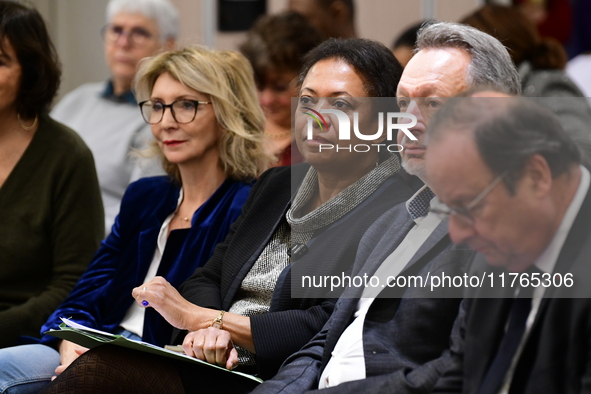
90	338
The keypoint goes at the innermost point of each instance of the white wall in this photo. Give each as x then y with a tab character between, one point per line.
381	20
75	27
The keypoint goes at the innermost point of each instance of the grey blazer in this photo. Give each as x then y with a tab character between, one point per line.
405	335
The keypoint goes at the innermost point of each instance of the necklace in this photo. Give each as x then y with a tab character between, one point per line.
183	218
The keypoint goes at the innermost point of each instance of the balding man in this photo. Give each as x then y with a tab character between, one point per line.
515	191
396	341
332	18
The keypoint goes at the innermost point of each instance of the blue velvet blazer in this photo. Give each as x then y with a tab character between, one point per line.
102	296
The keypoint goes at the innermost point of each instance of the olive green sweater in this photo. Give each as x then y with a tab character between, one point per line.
51	224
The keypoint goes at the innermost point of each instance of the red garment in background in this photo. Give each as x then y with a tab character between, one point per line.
291	155
559	19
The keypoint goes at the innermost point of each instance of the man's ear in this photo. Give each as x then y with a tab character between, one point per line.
539	175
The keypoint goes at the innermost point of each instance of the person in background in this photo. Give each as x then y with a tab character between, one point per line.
202	108
275	47
238	308
50	203
403	46
105	114
332	18
552	18
541	63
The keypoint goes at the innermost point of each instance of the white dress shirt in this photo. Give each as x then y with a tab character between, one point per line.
133	321
347	362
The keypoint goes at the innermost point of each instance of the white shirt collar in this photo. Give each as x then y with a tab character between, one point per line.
547	259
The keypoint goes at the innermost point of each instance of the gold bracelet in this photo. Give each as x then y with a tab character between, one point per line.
218	322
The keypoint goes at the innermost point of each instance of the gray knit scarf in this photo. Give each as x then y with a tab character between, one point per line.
303	228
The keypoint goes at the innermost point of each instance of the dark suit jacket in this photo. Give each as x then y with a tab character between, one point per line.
405	334
292	322
557	354
102	296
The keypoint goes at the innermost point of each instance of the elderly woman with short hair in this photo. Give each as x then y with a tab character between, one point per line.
105	114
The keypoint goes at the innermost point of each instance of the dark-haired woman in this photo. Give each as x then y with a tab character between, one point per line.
50	203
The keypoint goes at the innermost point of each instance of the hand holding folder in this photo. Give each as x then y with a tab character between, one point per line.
90	338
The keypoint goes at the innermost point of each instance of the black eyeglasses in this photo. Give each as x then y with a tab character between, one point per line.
183	111
137	36
463	213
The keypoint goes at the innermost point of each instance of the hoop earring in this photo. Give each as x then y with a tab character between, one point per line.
25	127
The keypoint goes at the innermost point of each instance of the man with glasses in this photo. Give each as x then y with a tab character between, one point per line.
463	213
515	191
106	114
395	339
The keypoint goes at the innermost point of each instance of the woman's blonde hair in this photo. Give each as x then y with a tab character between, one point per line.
227	78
